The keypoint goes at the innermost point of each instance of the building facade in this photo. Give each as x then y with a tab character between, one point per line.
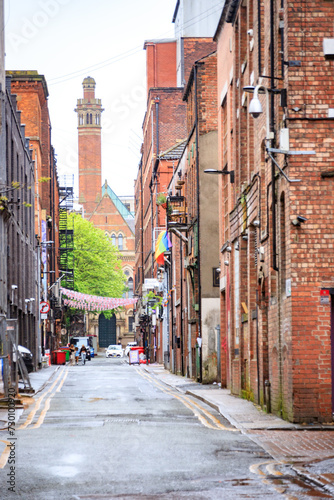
31	93
106	211
275	129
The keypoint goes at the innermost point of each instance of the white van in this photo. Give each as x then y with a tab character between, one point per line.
86	341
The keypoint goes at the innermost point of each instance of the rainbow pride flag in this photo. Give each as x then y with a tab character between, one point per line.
162	245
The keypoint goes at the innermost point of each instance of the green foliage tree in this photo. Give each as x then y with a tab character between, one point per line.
97	264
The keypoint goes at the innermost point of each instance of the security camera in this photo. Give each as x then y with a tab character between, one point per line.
255	108
250	32
14	287
256	223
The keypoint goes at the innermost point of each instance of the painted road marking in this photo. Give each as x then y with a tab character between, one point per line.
5	454
196	408
37	406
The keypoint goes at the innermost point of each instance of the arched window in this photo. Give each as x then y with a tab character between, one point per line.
91	119
130	287
113	239
87	118
120	242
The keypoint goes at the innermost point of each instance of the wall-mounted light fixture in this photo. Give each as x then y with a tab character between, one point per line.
226	262
228	249
256	223
223	172
298	220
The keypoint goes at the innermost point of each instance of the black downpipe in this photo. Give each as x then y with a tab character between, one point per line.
259	35
257	349
282	43
181	306
142	222
157	126
272	129
172	329
157	156
198	228
152	227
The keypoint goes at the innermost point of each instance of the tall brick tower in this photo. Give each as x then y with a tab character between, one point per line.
89	111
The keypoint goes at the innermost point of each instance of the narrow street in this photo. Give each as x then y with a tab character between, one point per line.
109	430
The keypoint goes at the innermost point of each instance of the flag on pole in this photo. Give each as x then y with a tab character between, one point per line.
162	245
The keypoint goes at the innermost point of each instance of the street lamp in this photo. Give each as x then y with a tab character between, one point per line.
224	172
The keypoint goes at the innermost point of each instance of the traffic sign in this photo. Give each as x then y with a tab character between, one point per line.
44	307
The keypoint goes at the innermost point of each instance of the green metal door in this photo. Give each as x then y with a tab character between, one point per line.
107	331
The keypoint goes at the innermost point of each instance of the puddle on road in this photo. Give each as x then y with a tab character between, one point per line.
302	487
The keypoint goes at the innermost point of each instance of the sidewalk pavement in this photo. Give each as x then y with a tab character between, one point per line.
309	449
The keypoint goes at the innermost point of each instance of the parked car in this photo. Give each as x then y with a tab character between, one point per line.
27	357
114	351
128	347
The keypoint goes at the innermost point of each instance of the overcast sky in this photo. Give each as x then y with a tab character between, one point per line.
67	40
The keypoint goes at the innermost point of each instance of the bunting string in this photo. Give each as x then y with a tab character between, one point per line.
94	302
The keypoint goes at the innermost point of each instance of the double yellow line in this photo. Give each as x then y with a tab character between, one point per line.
203	415
60	379
59	383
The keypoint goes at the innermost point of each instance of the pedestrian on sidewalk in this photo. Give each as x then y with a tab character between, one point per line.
72	355
83	352
76	355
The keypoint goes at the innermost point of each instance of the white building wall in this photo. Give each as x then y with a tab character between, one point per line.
194	19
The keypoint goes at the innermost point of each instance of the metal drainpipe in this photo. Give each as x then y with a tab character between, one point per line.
142	222
272	129
275	266
198	227
152	229
259	34
181	307
157	156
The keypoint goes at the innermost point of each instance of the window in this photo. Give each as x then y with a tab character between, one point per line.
120	242
130	287
113	239
215	276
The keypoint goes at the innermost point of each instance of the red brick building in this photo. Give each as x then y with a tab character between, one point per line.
164	130
277	220
193	223
105	210
32	101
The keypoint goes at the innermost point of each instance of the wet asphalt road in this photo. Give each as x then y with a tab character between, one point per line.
109	430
